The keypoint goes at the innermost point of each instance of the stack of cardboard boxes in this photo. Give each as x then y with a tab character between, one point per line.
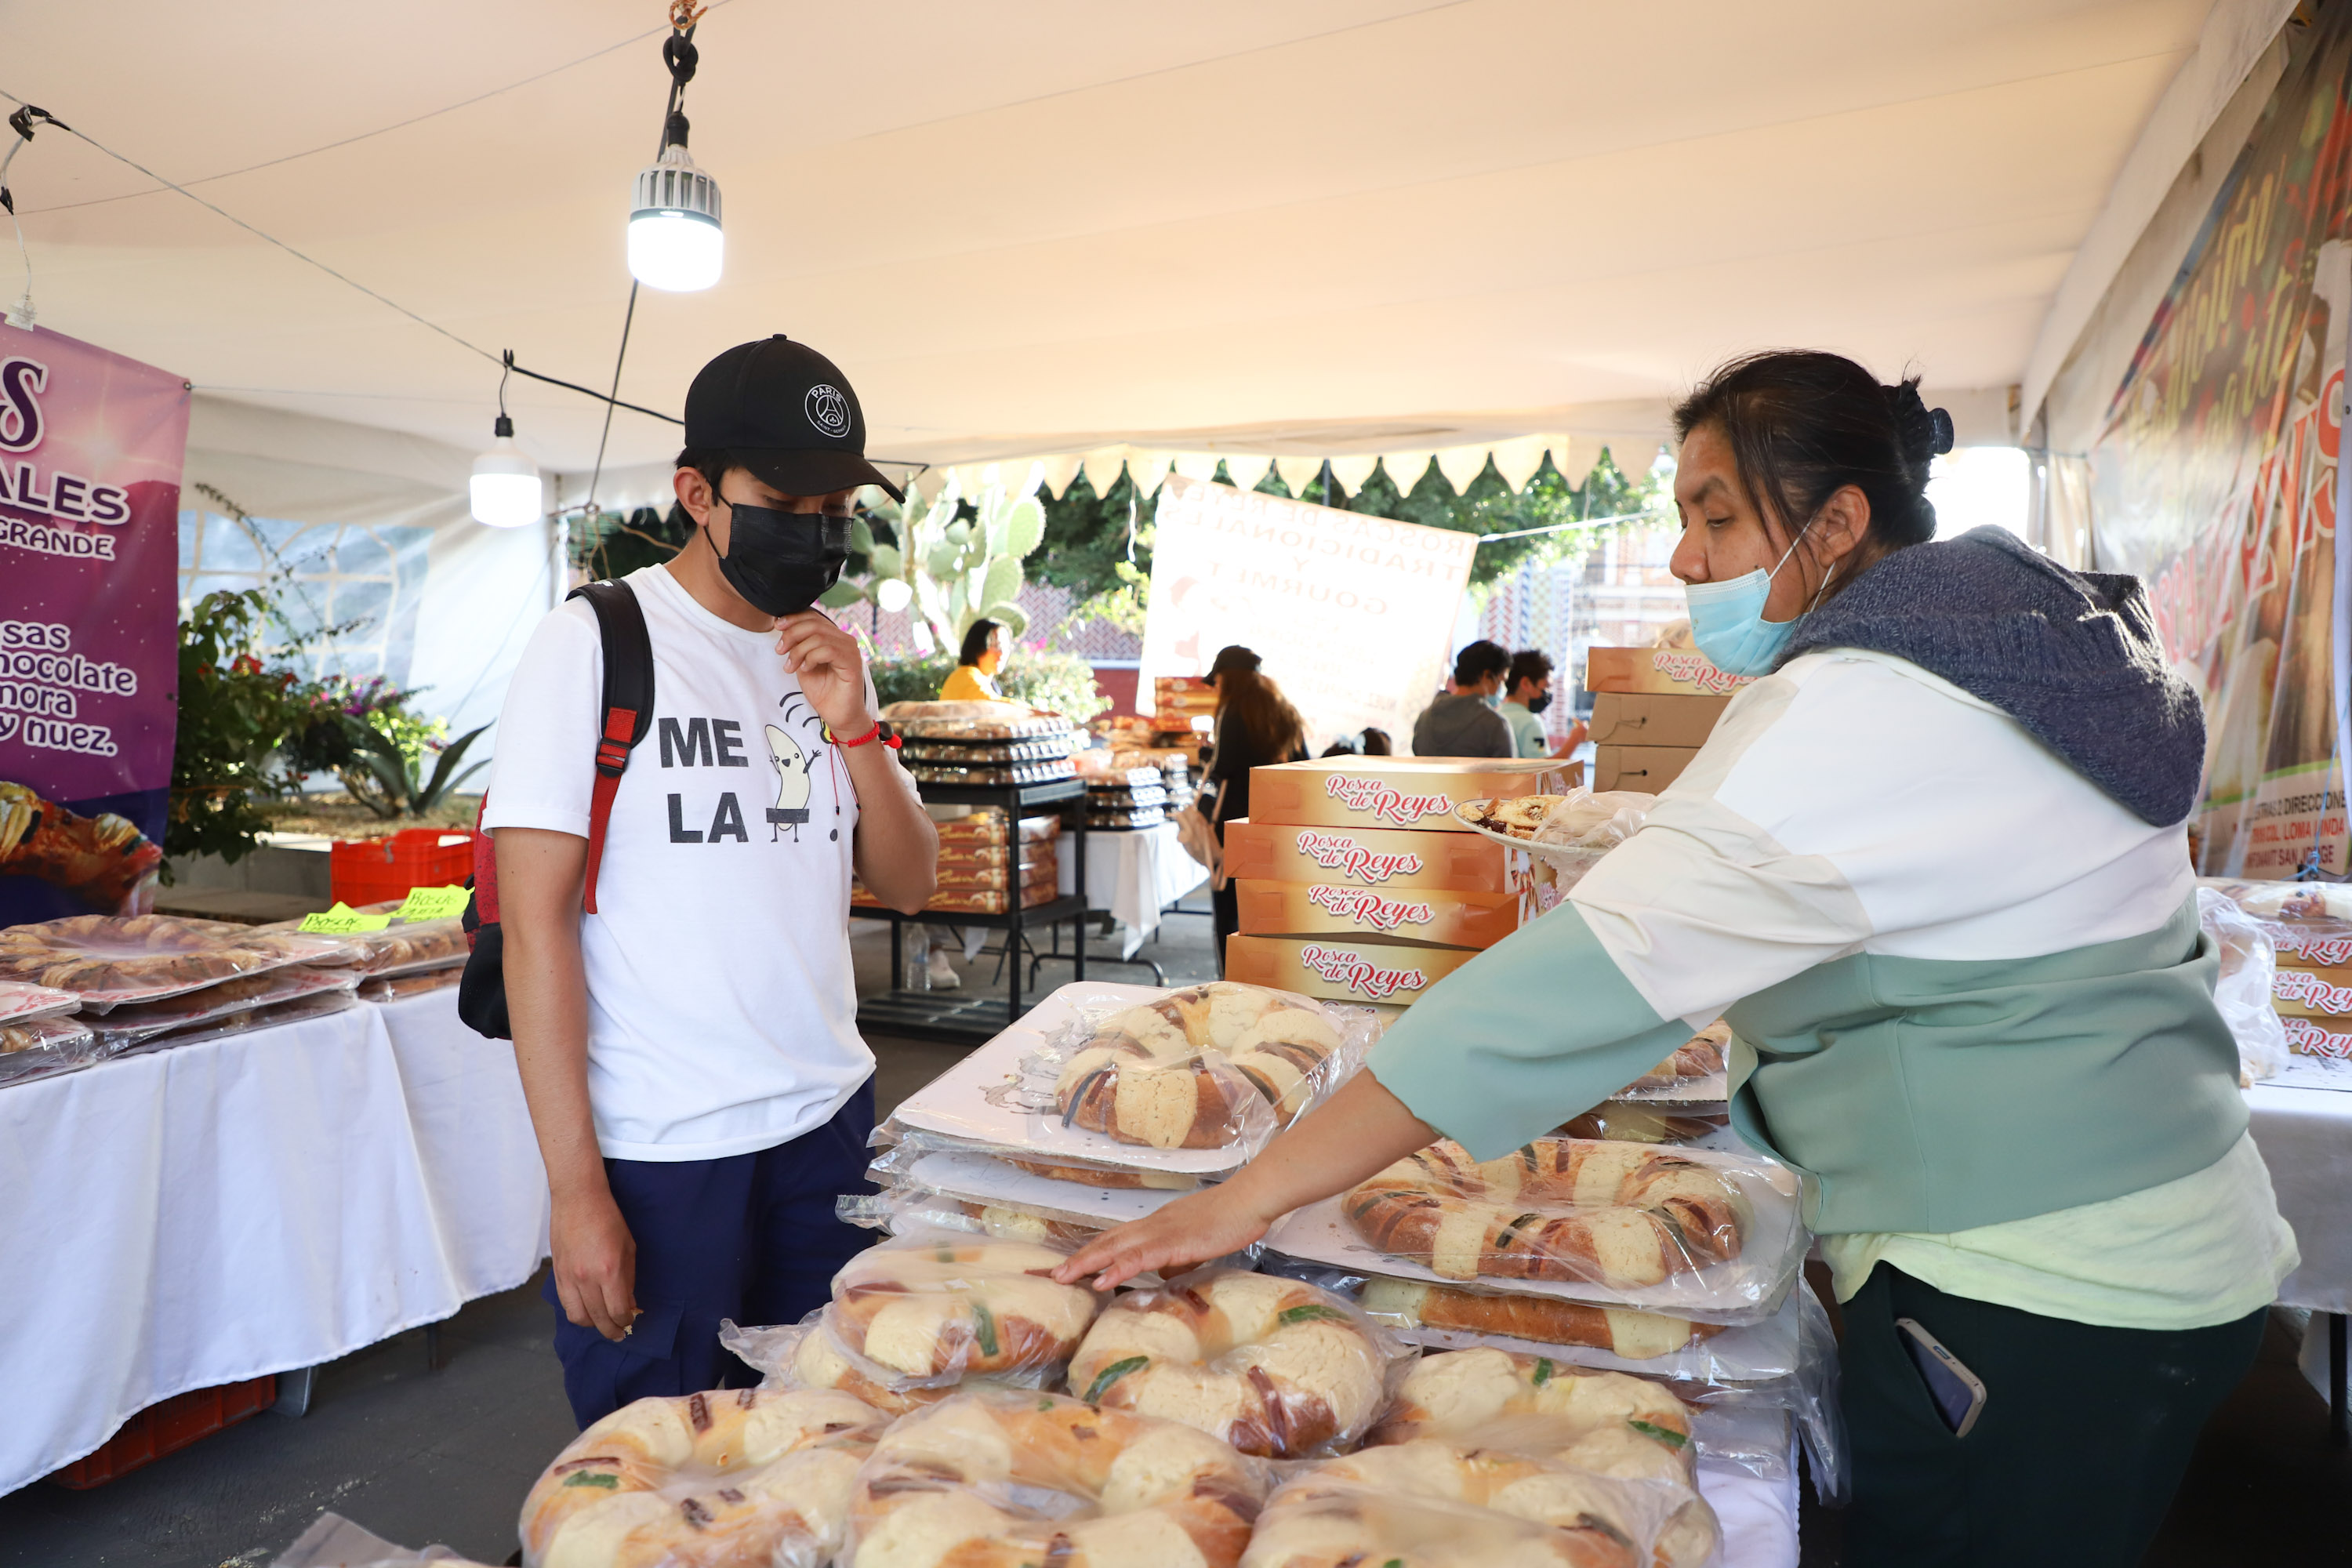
1652	709
2312	990
1356	882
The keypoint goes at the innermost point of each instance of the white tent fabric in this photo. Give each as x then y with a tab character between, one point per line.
1324	228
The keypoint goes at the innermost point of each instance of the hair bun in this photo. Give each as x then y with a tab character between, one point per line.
1923	433
1941	423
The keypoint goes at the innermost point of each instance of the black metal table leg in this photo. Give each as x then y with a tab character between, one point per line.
1078	961
2339	1420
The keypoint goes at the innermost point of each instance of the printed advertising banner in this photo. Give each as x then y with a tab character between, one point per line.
90	449
1352	614
2215	479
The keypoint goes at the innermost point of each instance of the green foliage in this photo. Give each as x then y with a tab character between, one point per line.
960	558
1087	538
1057	682
233	713
608	545
910	677
387	770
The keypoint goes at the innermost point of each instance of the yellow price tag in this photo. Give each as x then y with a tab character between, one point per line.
434	903
342	921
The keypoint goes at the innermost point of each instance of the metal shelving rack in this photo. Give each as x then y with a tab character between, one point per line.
951	1015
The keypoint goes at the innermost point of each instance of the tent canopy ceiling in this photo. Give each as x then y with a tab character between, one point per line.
1336	224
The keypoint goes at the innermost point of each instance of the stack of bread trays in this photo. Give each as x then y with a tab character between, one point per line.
1357	883
983	862
1652	709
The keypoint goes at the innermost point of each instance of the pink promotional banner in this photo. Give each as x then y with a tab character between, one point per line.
91	446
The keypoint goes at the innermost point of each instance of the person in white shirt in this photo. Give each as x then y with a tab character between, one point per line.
690	1051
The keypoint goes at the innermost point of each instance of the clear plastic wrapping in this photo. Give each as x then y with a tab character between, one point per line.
21	1002
986	826
1633	1122
1696	1233
910	1205
1567	833
334	1541
1276	1367
732	1475
404	947
42	1047
1700	1057
2249	968
944	1305
109	961
393	987
996	878
1610	1421
807	1354
1434	1504
136	1023
1201	1067
996	1477
903	1147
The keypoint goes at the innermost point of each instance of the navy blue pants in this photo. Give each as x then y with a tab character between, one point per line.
751	1236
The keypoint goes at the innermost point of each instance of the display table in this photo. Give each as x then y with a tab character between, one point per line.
255	1203
2306	1137
1134	874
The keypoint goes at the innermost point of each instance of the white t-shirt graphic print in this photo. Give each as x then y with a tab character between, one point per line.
721	1010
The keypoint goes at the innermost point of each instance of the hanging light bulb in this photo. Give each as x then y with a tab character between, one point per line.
505	488
675	240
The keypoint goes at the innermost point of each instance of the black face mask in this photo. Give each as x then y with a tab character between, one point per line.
1537	704
781	561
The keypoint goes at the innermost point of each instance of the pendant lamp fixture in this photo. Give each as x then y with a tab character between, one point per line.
505	488
676	243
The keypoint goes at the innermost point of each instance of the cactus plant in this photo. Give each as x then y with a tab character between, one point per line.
957	570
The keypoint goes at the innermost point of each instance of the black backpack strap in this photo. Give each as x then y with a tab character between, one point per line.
628	715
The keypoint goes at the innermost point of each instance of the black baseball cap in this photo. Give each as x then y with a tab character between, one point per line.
786	412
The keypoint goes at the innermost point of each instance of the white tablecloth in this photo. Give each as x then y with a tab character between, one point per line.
249	1204
2306	1137
1133	873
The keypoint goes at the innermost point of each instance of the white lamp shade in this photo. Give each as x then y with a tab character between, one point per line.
505	490
892	595
675	251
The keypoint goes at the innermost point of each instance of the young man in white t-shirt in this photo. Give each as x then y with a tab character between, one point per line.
690	1051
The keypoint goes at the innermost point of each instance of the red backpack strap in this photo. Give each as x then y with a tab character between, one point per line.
628	706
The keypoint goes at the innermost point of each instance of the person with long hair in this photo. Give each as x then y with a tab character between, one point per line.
1932	868
1255	727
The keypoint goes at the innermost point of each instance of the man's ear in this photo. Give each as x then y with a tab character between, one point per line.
693	492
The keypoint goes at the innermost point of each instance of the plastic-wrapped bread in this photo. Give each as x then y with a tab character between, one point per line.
943	1306
1546	1319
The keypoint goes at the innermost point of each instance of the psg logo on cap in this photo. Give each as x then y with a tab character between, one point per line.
828	410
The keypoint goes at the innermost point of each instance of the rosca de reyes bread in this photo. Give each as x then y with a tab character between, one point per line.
1329	1518
1172	1073
1000	1478
1701	1056
947	1306
1274	1366
1620	1215
1606	1421
1636	1336
731	1476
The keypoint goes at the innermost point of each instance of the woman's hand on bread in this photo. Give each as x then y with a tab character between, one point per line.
1188	1230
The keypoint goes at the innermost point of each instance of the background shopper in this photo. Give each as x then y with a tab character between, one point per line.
1527	693
1255	727
973	680
1463	722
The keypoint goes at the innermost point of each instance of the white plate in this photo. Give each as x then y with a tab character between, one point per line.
958	1103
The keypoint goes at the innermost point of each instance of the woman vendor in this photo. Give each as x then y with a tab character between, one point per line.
973	680
1932	868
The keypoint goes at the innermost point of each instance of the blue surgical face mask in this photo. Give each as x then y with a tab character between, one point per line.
1491	699
1728	621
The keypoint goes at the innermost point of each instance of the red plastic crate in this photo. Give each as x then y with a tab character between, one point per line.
368	870
166	1428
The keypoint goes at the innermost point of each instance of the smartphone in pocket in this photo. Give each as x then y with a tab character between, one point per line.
1957	1393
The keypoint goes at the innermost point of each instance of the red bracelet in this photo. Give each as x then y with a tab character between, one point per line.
879	729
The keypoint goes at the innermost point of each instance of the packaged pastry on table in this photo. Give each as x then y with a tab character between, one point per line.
990	774
748	1475
1162	1072
994	1479
911	1205
986	901
972	720
393	987
904	1147
1140	817
1629	1122
1276	1367
1043	749
934	1309
1702	1056
1608	1421
108	961
21	1001
136	1023
404	947
996	878
986	826
33	1048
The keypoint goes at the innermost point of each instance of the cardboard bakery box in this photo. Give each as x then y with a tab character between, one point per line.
1650	718
1334	909
1386	973
1397	791
2307	1037
1185	696
1666	671
1650	768
1387	858
2311	994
